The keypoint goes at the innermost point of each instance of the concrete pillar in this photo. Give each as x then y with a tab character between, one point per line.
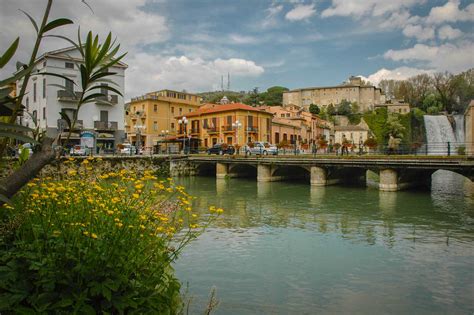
264	173
318	176
221	170
388	180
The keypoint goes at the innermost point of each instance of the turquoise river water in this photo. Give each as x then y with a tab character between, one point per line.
289	248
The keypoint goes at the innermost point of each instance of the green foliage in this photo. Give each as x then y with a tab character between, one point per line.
376	121
461	150
432	101
344	108
394	127
77	246
273	96
314	109
418	114
331	110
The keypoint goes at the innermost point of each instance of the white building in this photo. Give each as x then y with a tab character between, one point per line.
45	101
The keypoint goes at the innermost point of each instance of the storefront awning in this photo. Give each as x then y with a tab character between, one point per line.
104	135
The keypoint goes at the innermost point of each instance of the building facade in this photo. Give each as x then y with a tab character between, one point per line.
235	124
355	135
151	117
43	101
395	106
366	96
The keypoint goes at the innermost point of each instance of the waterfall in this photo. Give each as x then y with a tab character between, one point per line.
438	133
459	129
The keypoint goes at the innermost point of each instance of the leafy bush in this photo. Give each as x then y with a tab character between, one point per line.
461	150
95	244
371	143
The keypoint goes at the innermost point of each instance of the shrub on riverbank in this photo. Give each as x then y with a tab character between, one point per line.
91	244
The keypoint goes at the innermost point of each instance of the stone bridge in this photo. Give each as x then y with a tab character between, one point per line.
394	173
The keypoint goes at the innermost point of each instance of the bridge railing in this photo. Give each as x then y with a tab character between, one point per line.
432	148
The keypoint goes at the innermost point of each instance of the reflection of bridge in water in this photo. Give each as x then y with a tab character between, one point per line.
394	173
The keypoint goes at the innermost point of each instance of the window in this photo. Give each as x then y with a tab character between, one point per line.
277	137
172	110
104	115
44	88
205	142
172	126
250	121
69	112
69	85
204	124
155	108
155	126
180	111
288	115
44	112
214	141
69	65
229	122
27	104
104	90
44	64
282	115
190	110
34	92
229	140
35	115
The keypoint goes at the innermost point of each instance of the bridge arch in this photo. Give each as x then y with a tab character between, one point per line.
242	170
206	169
291	172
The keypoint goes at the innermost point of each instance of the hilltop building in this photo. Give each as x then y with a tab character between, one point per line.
151	117
395	106
103	120
366	96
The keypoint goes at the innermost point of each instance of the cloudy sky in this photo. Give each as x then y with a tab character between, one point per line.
189	44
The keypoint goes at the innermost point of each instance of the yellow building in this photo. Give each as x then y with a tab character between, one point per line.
235	124
151	117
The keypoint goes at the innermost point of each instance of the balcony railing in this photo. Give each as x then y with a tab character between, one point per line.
62	125
227	128
106	125
252	129
68	96
212	130
195	130
113	99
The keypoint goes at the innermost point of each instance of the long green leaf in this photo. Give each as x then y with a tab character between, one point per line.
55	75
84	77
66	118
105	49
105	87
92	97
32	20
5	58
21	137
66	39
7	126
56	23
100	75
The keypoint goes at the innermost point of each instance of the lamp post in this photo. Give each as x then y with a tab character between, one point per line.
183	122
138	131
236	125
164	134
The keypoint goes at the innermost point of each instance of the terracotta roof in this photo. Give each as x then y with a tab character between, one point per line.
216	108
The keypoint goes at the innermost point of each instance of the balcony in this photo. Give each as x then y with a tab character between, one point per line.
106	125
68	96
106	99
195	130
227	128
252	129
212	130
62	125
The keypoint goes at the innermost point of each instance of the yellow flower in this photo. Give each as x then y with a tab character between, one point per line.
72	172
220	210
136	196
119	224
85	162
93	235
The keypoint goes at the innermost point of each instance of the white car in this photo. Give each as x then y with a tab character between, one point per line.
263	148
128	149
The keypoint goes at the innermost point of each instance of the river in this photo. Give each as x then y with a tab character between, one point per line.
289	248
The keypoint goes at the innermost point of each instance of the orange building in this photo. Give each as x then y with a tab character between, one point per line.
235	124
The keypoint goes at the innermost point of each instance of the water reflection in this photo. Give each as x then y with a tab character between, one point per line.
291	248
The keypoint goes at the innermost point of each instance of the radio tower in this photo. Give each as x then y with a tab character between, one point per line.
228	81
222	83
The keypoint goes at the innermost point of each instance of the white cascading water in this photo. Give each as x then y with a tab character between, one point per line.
438	133
459	129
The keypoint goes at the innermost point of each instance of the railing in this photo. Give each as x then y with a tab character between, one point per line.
227	128
252	129
106	125
195	130
213	129
113	99
68	96
62	124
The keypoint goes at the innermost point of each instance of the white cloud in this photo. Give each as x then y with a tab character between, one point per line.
242	39
148	72
272	14
358	9
450	57
419	32
398	19
400	73
446	32
301	12
450	12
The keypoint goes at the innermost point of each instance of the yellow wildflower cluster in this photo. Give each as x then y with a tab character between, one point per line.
93	207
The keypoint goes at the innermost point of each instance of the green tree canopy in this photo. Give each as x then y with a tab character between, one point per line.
314	109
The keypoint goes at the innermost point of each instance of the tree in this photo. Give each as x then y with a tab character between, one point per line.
344	108
432	103
330	110
314	109
446	88
273	95
394	127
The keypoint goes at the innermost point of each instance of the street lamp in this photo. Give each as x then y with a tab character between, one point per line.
236	125
164	134
138	131
183	122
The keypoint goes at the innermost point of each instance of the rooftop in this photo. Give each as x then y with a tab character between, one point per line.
216	108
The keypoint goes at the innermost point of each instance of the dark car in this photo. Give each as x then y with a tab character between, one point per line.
221	149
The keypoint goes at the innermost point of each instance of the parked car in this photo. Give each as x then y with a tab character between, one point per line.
26	146
80	150
221	149
127	149
260	147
